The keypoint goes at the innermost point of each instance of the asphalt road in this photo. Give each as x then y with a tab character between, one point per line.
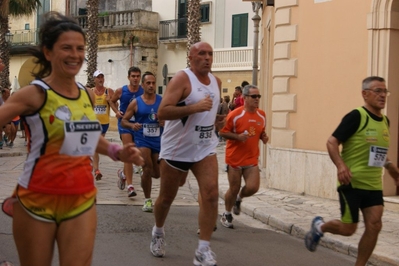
124	235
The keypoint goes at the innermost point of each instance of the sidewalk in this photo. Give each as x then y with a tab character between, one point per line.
287	212
293	213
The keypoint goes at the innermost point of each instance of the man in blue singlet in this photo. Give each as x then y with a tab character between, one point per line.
125	95
147	133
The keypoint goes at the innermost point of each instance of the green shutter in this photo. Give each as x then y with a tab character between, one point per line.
239	34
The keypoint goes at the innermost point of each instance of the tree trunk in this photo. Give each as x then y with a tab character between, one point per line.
4	53
193	24
92	40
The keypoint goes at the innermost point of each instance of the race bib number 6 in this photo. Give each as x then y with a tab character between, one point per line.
80	138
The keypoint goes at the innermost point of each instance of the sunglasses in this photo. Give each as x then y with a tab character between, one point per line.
254	96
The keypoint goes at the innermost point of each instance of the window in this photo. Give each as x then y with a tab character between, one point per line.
204	10
239	34
82	12
27	26
44	8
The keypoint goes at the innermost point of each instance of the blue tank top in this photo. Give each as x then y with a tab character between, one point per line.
128	96
147	115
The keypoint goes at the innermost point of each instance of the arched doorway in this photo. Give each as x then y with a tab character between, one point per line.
383	25
24	76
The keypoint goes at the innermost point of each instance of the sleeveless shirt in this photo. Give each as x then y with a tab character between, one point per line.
101	107
128	96
147	115
365	152
47	169
192	138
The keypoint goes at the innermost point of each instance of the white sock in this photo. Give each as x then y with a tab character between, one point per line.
203	244
239	198
318	226
227	213
159	231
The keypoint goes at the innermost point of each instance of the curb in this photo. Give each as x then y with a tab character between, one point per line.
299	232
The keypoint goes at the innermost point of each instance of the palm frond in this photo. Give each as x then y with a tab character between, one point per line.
19	8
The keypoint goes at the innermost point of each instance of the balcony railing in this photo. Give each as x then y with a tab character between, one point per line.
173	29
224	59
117	19
24	37
233	59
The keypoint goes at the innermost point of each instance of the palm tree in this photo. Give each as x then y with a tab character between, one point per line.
92	40
15	8
193	24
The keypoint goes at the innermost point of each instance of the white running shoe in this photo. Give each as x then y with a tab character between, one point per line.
121	180
227	220
204	257
157	245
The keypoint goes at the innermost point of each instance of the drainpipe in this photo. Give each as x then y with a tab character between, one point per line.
256	18
131	55
67	9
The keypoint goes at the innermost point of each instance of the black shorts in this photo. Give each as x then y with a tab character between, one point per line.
181	166
352	199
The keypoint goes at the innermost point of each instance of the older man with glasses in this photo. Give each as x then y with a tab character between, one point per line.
244	128
364	135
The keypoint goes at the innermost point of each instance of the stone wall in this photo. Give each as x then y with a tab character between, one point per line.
300	171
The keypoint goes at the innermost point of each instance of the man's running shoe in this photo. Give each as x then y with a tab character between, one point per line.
237	207
131	192
204	257
147	205
121	180
214	229
98	175
157	245
227	220
136	169
312	238
141	171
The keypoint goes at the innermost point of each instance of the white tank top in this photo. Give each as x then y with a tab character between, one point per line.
192	138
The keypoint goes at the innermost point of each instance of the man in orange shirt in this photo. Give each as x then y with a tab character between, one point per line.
244	127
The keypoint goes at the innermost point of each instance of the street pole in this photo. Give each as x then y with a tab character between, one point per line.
256	18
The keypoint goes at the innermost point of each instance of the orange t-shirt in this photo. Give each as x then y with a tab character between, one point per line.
246	153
